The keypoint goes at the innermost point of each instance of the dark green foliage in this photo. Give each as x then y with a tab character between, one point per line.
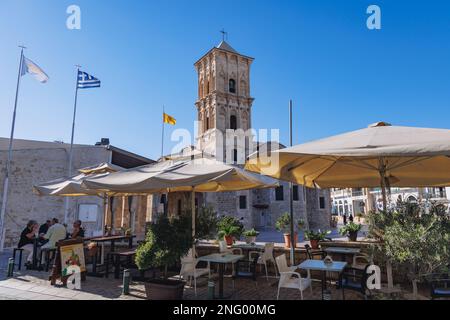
229	226
166	241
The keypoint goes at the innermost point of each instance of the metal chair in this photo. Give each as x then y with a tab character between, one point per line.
440	286
246	269
314	254
354	279
20	257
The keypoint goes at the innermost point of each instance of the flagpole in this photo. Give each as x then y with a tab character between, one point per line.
66	204
8	161
162	136
291	195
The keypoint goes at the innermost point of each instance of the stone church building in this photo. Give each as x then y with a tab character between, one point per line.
224	114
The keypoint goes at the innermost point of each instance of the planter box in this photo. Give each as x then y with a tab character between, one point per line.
164	289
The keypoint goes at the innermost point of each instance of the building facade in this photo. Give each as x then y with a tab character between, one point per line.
36	162
364	200
224	115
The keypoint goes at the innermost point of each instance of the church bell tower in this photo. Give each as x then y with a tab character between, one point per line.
224	102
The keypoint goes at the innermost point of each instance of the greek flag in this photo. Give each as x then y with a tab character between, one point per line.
86	81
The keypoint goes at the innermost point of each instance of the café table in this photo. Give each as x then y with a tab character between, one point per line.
112	240
248	247
320	265
343	251
221	260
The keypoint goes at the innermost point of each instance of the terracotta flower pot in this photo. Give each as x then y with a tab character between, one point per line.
287	240
229	240
314	244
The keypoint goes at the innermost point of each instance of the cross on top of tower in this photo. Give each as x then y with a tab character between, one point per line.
224	34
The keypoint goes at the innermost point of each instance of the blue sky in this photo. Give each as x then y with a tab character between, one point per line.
320	53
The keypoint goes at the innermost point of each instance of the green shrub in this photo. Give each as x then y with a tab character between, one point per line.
251	233
166	241
349	228
206	223
411	239
316	235
283	223
229	226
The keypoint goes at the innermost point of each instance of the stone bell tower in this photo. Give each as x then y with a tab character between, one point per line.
224	103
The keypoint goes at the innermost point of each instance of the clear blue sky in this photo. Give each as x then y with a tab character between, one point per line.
340	75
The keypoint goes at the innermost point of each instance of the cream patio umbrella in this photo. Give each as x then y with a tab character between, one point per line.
197	175
378	156
71	187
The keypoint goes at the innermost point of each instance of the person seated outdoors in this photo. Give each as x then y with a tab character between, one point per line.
43	230
27	239
55	233
78	231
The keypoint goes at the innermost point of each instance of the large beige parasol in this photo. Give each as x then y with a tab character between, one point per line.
196	175
378	156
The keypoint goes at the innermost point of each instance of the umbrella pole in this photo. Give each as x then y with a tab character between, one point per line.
382	171
193	220
105	213
291	205
390	282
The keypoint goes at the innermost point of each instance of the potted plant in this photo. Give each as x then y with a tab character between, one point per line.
283	224
250	236
228	233
315	236
166	241
229	228
350	230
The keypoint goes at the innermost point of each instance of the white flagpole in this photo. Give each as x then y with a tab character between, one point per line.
8	161
162	137
66	209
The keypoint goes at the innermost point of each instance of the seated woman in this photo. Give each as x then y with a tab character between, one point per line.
27	239
78	231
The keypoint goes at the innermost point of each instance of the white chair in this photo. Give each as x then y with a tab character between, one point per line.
266	256
189	270
223	248
291	279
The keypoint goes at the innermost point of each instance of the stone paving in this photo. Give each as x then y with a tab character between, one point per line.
33	285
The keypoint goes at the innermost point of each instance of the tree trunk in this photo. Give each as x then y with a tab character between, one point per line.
414	285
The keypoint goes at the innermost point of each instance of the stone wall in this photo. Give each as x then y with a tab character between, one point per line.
38	165
34	166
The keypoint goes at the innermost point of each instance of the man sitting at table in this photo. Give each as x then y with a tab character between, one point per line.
26	239
54	234
78	231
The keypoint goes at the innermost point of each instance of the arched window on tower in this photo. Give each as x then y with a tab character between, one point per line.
232	85
207	87
233	122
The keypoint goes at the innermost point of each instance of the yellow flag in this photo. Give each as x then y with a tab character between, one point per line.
168	119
